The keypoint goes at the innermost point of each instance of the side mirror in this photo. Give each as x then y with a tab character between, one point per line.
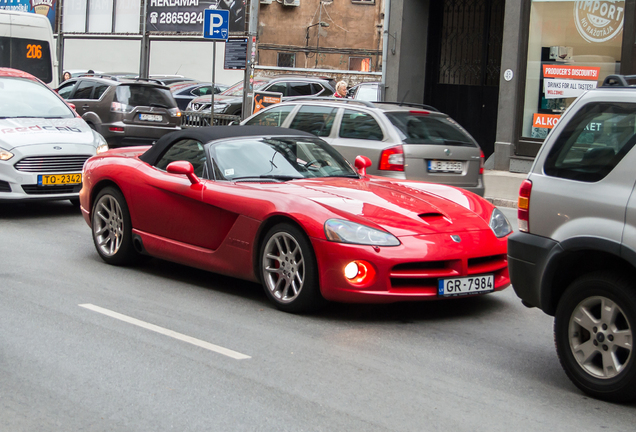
183	168
362	163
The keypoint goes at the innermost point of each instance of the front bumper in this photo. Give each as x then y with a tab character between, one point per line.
528	257
411	271
22	184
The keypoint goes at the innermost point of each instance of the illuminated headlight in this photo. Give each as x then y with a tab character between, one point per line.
5	155
342	231
499	223
101	145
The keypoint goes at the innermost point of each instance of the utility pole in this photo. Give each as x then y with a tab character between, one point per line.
144	61
248	80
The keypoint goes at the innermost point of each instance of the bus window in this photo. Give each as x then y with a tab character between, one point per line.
29	55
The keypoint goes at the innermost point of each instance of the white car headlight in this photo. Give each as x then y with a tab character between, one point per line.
100	143
342	231
5	155
218	107
499	223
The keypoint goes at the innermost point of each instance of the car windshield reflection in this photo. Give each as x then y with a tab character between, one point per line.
281	159
22	98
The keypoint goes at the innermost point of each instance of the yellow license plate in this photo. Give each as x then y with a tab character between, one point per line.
59	179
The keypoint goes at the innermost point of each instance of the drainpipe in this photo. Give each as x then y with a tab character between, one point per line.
385	45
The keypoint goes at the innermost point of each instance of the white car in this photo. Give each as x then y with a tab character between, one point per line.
43	142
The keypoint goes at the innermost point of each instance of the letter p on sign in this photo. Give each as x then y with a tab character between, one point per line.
216	24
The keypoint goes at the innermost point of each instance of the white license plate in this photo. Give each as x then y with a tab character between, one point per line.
445	166
466	285
150	117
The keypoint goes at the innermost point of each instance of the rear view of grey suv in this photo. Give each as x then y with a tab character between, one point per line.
126	112
575	254
404	141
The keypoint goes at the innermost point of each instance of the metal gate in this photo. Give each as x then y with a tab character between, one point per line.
464	61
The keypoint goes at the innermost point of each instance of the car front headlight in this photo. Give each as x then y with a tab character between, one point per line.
342	231
219	108
5	155
499	223
100	143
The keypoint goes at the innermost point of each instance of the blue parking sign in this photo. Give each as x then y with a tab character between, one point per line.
216	24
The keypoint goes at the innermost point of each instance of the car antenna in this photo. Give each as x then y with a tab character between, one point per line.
404	98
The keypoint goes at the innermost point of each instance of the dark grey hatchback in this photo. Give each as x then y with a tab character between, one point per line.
126	112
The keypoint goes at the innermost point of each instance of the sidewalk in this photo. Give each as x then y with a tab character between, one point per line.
502	187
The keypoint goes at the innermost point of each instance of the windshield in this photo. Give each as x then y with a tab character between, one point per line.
20	97
278	158
237	89
423	128
144	95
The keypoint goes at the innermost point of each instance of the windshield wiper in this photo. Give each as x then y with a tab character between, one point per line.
269	176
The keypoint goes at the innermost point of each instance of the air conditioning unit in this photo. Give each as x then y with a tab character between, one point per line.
266	1
291	2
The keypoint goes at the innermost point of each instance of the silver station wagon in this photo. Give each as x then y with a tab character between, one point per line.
404	141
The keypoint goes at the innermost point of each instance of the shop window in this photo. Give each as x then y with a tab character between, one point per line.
362	64
286	60
572	47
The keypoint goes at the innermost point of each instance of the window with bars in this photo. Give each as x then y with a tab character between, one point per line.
286	59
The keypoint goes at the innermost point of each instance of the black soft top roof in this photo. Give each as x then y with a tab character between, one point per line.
207	134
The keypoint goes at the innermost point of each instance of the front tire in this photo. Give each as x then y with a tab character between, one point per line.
112	229
288	270
594	336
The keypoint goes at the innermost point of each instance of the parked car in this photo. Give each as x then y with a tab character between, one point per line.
575	254
404	141
43	142
231	101
184	92
125	111
368	91
284	208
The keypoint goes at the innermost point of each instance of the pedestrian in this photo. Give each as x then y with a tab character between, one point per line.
341	90
66	76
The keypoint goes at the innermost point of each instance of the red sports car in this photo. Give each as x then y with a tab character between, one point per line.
284	208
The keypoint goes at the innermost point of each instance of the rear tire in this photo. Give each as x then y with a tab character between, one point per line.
594	335
112	229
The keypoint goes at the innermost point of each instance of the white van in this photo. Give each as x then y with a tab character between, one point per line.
26	43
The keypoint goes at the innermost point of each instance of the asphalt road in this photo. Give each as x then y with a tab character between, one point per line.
85	346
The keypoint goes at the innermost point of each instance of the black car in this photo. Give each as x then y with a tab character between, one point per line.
184	92
230	102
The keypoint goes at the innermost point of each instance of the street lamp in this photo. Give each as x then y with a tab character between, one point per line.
321	24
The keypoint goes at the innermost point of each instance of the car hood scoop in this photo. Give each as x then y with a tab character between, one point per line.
400	209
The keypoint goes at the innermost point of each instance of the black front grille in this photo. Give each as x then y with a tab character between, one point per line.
50	190
52	164
5	186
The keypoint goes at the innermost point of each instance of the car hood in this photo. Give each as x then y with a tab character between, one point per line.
402	208
20	132
218	98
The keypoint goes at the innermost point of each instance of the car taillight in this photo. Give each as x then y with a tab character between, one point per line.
481	161
392	159
523	205
116	129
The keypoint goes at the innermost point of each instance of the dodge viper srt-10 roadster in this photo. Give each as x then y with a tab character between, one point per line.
282	207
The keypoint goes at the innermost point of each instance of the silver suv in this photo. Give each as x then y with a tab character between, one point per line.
575	257
404	141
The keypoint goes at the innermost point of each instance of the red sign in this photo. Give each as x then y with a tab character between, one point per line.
545	120
572	72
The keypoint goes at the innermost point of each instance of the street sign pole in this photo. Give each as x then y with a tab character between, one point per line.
216	27
213	82
248	79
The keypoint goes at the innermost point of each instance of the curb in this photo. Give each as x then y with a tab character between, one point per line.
500	202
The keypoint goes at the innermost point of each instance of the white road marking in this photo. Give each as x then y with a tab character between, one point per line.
217	349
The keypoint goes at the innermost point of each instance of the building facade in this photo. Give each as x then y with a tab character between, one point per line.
506	70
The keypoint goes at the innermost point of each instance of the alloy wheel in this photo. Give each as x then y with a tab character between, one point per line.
283	267
108	225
